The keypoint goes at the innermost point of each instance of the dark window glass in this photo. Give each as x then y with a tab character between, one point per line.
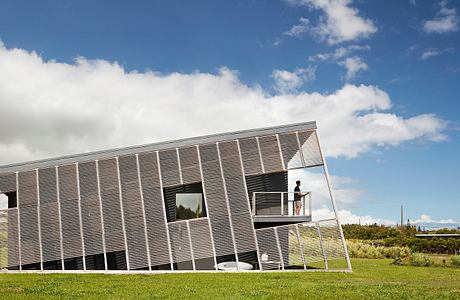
184	202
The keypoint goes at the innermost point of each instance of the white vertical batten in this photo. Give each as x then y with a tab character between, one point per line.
147	245
128	267
300	246
83	250
58	198
206	203
321	245
228	207
19	220
179	167
101	212
260	155
281	152
278	245
249	205
190	243
37	182
164	210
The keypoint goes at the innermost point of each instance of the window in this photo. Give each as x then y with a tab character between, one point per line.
184	202
189	206
8	200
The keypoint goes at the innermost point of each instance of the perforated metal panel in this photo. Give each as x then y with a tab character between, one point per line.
180	245
215	194
90	208
271	156
12	237
70	220
237	197
7	183
310	148
133	213
290	150
189	165
169	168
251	156
332	242
311	243
268	247
110	195
153	203
201	238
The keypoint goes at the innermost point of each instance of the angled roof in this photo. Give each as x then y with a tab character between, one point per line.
104	154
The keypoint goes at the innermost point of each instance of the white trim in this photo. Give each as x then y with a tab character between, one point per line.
334	204
37	182
101	211
302	159
19	221
179	166
281	152
207	210
128	267
58	196
79	216
228	205
260	155
300	246
147	245
164	210
249	205
191	246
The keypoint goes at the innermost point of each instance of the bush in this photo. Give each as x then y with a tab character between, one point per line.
365	250
420	260
455	260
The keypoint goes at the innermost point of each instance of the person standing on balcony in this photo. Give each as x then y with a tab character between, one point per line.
298	198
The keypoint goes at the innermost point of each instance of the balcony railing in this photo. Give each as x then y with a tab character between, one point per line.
279	204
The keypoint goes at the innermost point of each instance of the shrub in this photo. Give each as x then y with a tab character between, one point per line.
365	250
420	260
455	260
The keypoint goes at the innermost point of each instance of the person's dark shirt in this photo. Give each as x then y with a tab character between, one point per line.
297	196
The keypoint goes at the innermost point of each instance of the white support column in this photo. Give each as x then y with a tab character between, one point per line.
178	165
37	182
128	267
302	159
260	155
228	207
80	217
147	245
281	152
164	211
334	205
19	220
102	214
190	243
322	246
279	247
206	203
58	196
249	206
299	240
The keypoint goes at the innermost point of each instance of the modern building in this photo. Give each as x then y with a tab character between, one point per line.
205	203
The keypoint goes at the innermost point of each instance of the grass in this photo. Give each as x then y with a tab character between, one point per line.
372	278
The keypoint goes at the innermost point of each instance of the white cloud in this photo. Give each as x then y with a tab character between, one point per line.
446	20
347	217
287	82
338	54
298	30
50	108
340	22
426	219
432	52
354	65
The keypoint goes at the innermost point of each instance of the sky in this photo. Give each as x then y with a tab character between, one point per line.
381	78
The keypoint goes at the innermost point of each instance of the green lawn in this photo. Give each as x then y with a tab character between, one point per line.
371	279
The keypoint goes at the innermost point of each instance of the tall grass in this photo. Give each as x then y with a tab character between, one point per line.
364	250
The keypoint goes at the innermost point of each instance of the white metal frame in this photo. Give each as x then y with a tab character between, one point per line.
101	212
83	250
37	182
58	199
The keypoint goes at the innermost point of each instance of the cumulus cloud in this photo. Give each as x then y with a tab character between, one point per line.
50	108
298	30
432	52
426	219
338	53
347	217
445	21
286	82
354	65
340	22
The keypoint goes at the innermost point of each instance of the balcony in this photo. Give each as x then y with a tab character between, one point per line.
277	208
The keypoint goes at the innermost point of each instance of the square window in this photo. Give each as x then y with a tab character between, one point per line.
184	202
189	206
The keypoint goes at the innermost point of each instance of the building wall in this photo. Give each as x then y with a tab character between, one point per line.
77	215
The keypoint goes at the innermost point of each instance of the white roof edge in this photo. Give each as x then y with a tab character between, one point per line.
199	140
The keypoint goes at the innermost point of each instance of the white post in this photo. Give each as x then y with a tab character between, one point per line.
279	247
102	214
334	205
192	256
282	203
37	182
322	246
79	217
144	219
58	196
19	220
300	246
128	267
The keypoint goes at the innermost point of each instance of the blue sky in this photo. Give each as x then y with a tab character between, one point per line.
409	50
